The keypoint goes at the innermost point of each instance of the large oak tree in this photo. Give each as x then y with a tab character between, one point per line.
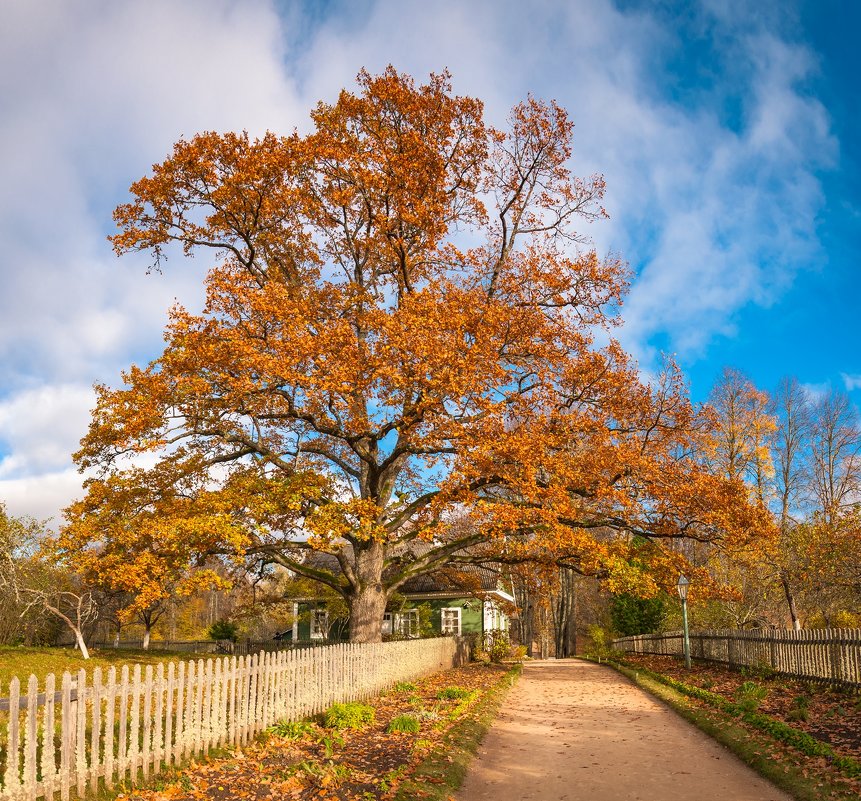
398	344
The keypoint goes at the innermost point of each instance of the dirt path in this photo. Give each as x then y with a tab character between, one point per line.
577	731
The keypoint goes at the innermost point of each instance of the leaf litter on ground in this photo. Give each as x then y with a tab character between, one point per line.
833	715
328	765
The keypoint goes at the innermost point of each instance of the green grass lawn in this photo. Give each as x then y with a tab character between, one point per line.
21	662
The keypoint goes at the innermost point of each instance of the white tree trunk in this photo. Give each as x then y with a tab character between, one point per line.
79	638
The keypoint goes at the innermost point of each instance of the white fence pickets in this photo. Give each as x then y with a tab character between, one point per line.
103	732
831	655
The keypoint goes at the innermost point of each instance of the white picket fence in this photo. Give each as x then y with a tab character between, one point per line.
831	655
111	730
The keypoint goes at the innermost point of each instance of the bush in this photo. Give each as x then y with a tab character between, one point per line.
601	639
497	644
750	695
293	729
451	693
404	723
223	630
518	652
349	716
476	648
405	687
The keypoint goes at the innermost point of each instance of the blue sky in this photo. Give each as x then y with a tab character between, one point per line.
727	133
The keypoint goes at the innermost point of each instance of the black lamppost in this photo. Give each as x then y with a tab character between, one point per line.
682	587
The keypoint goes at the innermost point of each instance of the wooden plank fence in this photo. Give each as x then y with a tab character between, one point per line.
219	647
830	655
110	729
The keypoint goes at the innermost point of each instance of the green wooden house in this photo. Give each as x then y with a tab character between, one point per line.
468	600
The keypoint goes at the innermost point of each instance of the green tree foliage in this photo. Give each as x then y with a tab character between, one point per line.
632	615
223	630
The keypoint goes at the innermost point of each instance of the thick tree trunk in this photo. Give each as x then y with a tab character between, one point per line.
368	599
146	637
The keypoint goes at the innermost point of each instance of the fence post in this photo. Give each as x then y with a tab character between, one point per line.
95	730
81	736
135	726
110	704
49	764
65	736
146	745
158	719
30	730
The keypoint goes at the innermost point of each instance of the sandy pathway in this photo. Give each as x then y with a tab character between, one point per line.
577	731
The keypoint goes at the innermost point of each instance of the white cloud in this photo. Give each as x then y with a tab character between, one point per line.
93	94
42	497
816	391
40	428
737	222
715	215
851	382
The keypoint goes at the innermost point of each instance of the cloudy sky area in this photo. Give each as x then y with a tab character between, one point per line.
727	133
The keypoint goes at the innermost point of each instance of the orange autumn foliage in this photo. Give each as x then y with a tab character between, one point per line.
398	344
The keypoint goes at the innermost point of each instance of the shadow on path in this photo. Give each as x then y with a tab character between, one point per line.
574	730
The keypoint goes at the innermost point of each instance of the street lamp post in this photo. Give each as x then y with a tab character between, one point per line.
682	587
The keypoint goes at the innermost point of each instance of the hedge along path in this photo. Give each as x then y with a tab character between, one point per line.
573	730
95	733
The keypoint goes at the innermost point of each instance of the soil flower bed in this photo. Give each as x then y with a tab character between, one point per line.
367	751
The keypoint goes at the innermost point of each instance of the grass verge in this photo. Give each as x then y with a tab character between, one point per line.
22	661
443	769
753	744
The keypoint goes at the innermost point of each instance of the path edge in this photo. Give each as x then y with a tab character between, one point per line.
444	768
745	744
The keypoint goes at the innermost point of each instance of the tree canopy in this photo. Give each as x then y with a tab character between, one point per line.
404	338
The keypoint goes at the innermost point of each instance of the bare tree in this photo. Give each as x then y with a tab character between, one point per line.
34	587
744	431
33	584
791	472
835	455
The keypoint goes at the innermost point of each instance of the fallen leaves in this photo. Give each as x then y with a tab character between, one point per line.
351	765
833	715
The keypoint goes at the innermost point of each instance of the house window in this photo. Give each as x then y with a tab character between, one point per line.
451	620
320	625
387	623
407	623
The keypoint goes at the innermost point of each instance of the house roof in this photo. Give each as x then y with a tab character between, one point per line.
464	579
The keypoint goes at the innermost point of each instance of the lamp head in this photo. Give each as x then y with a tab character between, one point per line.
682	587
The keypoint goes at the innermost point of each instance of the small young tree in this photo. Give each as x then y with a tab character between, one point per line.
223	630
